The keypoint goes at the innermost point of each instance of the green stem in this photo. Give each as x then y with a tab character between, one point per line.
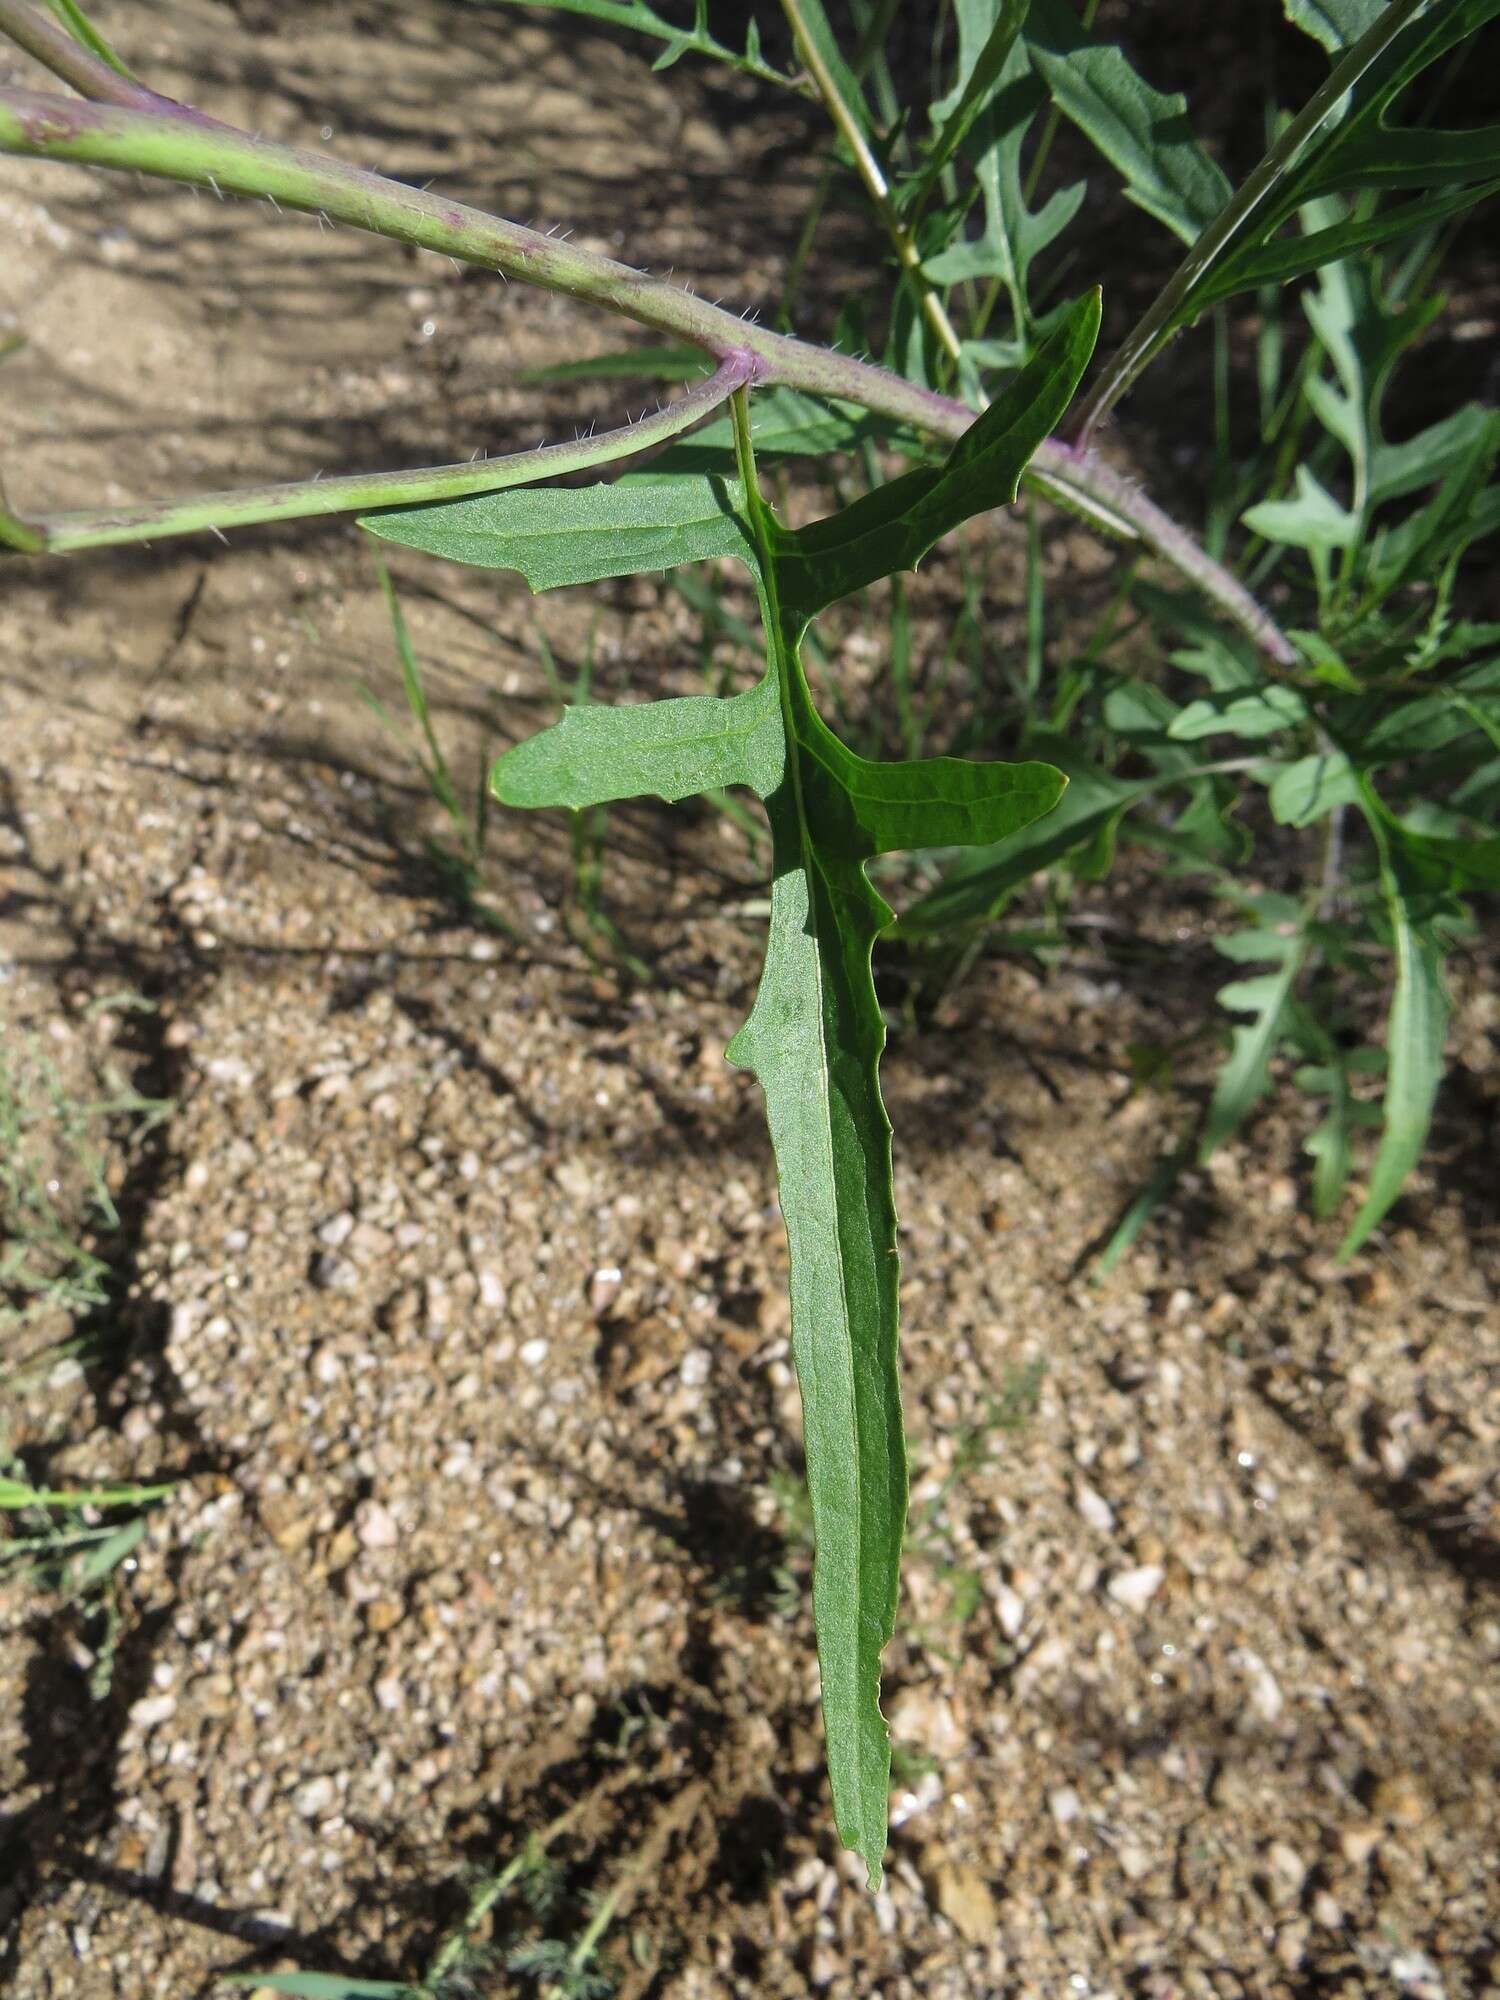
875	183
173	144
1157	325
44	37
65	534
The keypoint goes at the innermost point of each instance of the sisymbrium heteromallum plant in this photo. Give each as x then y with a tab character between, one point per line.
977	409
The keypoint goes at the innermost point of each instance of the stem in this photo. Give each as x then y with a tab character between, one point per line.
1077	478
64	534
44	36
876	186
1157	325
174	145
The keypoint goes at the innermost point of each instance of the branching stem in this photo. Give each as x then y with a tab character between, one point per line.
64	534
170	142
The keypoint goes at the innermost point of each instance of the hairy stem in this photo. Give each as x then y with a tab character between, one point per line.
173	144
1157	325
64	534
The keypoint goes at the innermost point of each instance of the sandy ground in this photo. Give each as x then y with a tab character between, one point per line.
451	1292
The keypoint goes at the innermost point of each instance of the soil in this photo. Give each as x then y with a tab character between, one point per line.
451	1292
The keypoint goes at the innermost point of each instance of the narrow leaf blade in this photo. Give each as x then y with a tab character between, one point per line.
1415	1033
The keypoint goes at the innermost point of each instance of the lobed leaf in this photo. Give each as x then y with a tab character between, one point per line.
894	526
1311	520
815	1033
1262	712
1014	234
1140	131
1449	171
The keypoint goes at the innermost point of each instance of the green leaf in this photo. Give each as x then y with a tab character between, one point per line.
1014	234
1325	661
558	535
1334	23
1279	261
987	31
1415	1031
1245	1077
980	884
1312	787
1331	1144
16	1494
1423	460
1313	520
673	749
1141	132
627	364
815	1033
814	1040
1261	713
894	526
1361	148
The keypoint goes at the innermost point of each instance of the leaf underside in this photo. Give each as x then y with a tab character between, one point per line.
815	1033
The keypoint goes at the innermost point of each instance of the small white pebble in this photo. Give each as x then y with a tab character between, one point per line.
314	1798
153	1709
1135	1588
1065	1804
1095	1509
1012	1610
375	1526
